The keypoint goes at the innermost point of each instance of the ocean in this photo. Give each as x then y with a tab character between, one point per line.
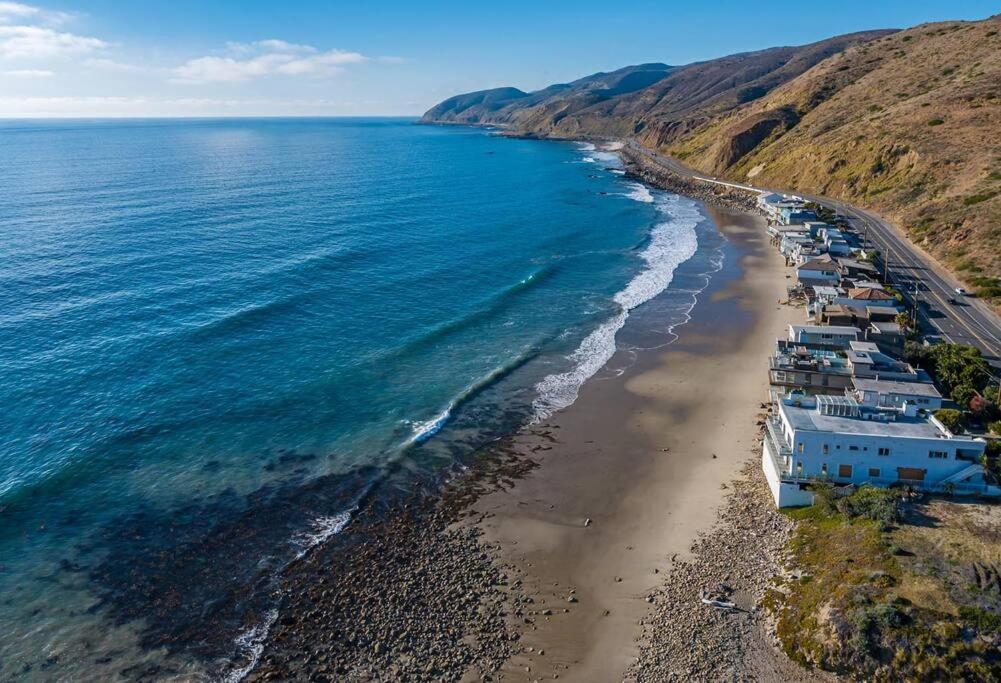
219	339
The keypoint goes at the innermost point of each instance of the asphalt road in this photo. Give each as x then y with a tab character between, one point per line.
968	321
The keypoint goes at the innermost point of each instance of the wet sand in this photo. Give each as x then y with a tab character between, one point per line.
644	456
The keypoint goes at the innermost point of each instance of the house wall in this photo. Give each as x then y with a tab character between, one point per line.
861	452
783	493
821	275
825	338
895	400
814	382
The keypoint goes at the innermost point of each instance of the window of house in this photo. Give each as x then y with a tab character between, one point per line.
827	449
874	472
938	454
853	448
823	468
800	447
884	451
845	471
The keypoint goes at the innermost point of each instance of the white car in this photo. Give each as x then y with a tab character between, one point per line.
960	291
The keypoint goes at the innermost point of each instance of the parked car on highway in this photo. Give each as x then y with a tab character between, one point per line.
960	291
952	300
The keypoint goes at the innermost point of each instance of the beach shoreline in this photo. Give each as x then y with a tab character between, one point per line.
567	532
638	469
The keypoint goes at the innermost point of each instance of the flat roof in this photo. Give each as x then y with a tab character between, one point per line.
886	386
826	329
807	418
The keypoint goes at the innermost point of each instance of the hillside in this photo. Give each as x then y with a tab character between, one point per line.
906	123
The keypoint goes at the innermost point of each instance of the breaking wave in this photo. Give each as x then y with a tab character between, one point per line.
672	242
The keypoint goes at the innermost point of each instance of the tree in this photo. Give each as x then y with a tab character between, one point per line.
905	321
952	419
983	408
963	394
957	365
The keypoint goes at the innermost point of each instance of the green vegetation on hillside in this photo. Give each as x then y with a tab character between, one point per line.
871	594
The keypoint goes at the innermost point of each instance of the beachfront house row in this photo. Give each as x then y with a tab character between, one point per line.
835	439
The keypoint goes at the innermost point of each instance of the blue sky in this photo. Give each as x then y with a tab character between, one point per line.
198	58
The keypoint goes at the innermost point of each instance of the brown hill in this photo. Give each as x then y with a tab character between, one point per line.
908	125
905	123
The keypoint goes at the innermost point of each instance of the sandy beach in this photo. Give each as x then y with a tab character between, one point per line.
636	469
560	553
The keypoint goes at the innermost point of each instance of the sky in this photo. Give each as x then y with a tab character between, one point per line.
109	58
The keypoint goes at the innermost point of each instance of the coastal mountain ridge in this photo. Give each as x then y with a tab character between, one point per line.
906	123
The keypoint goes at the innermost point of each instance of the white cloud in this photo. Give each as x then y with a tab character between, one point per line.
28	73
16	9
282	46
36	42
11	11
265	58
116	66
178	106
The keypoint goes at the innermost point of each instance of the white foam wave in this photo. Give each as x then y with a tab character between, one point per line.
586	147
640	193
250	645
321	529
672	242
425	430
588	160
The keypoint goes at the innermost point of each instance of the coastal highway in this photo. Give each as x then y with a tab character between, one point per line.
968	321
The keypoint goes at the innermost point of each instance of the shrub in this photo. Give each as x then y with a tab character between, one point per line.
963	394
823	497
869	502
995	427
977	198
952	419
935	122
982	620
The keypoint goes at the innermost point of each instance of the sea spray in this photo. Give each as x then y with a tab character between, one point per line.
250	646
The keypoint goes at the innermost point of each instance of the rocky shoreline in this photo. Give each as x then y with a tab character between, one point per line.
643	169
685	639
414	596
417	594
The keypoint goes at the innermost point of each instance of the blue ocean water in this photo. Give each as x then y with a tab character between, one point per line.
196	315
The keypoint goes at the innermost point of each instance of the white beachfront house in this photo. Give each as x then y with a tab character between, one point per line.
834	439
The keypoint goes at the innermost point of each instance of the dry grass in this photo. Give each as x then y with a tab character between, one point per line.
918	601
908	125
